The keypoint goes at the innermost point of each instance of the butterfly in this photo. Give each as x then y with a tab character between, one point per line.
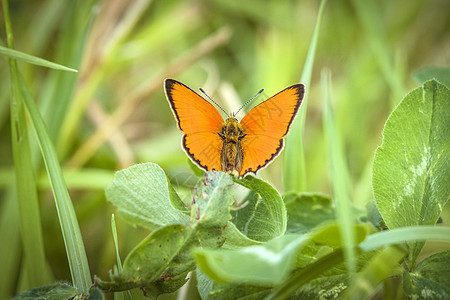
232	146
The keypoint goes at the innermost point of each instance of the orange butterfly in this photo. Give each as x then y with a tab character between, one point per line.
232	146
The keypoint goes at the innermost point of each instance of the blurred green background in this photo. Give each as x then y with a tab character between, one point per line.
113	112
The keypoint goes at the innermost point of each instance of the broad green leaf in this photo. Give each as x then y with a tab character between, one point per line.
95	294
33	59
441	74
412	166
264	217
405	234
235	239
141	193
374	216
430	279
266	264
213	200
306	211
147	261
327	287
325	278
211	290
161	262
330	234
56	291
311	272
270	263
383	265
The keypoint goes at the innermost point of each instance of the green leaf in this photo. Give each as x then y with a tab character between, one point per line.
405	234
307	274
211	290
213	200
56	291
33	59
264	217
430	279
161	262
294	158
329	287
412	166
235	239
306	211
76	254
339	174
330	234
383	265
441	74
95	294
267	264
10	256
147	261
141	193
35	268
270	263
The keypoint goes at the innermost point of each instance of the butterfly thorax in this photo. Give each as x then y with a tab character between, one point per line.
231	154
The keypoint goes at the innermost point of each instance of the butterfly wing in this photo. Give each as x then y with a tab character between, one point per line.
266	125
200	122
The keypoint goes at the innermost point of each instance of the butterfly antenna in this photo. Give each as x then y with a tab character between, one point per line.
201	90
235	114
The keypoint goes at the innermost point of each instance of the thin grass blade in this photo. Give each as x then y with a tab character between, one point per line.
294	156
17	55
73	241
339	175
35	267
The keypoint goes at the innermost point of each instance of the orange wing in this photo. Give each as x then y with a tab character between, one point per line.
266	125
199	121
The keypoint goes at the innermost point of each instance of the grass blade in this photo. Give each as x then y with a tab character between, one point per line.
69	225
339	175
73	241
125	294
294	156
369	16
383	265
405	234
9	231
56	95
35	267
17	55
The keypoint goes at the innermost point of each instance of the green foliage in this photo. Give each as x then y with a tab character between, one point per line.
17	55
264	215
306	210
441	74
144	204
411	167
355	231
56	291
430	279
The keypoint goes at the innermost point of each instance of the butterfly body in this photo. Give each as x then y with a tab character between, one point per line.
231	146
231	156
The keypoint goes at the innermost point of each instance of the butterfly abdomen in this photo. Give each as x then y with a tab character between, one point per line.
231	154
